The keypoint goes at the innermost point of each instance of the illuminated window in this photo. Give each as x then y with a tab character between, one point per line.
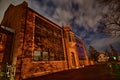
45	56
41	56
37	55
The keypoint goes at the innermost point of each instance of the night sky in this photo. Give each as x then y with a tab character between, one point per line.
82	15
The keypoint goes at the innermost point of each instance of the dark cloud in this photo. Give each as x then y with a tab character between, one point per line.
40	2
51	4
50	8
82	15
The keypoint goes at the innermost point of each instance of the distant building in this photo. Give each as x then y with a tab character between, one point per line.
102	57
36	46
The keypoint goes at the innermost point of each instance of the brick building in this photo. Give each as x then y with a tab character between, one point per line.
35	45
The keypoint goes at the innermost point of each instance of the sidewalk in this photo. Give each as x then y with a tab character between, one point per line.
96	72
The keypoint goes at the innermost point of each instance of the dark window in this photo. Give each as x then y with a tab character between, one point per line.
73	38
69	36
0	37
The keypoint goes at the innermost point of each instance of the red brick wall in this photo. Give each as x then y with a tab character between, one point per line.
31	68
21	19
14	18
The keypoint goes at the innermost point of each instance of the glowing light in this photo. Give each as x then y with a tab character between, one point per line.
114	58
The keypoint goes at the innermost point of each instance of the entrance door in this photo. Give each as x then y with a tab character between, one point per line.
73	59
6	48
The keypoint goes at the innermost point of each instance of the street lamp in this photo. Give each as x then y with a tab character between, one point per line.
114	57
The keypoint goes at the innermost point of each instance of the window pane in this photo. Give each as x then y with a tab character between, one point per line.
37	55
51	56
45	56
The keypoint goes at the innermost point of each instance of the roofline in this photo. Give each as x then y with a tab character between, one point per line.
44	18
77	37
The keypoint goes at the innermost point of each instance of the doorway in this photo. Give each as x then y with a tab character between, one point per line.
6	48
73	60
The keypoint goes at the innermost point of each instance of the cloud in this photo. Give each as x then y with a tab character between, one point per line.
102	44
82	15
3	7
85	13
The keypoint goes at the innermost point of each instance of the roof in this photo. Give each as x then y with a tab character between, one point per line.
44	17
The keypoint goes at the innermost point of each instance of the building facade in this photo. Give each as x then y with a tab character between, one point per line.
81	51
33	45
70	44
102	57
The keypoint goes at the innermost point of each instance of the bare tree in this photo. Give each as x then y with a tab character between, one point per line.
111	20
